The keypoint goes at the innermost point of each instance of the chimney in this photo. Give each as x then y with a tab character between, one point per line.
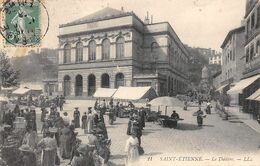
122	8
151	19
146	20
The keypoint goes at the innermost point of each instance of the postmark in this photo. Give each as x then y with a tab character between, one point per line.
21	22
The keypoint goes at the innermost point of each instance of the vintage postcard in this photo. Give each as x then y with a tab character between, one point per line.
129	82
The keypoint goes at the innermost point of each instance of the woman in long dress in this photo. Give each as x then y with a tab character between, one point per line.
49	150
131	149
89	122
65	142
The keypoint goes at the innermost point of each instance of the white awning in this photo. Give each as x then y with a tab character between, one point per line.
242	84
135	93
255	95
258	98
104	92
21	91
221	87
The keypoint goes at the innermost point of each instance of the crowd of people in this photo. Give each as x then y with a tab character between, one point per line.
59	140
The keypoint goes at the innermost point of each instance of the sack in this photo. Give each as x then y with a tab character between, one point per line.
140	150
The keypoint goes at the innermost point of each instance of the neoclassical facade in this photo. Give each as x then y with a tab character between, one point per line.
112	48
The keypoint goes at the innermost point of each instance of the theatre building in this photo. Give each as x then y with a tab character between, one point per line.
112	48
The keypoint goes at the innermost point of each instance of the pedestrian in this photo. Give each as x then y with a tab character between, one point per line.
175	117
142	115
131	148
200	117
96	105
49	150
76	116
65	142
136	128
66	118
43	114
9	118
28	157
61	102
84	121
16	110
74	149
45	128
30	138
22	114
90	120
33	119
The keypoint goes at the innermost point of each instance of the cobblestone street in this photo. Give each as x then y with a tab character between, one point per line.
217	138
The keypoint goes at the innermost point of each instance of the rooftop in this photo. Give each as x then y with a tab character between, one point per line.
230	33
102	14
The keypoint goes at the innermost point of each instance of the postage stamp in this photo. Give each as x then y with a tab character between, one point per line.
21	22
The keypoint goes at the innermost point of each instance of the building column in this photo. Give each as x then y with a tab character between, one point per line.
73	55
98	53
85	85
60	56
113	51
85	54
72	85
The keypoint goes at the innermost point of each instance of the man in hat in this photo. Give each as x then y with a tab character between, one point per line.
49	150
76	116
28	156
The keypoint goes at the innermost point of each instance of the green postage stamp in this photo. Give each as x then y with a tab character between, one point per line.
21	22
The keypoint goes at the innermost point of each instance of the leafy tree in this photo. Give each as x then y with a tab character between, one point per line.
8	75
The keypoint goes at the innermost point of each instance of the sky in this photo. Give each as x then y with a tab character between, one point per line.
198	23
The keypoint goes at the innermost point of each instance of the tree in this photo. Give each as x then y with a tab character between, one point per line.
8	75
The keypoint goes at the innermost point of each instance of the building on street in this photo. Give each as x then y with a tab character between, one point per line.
233	60
248	87
112	48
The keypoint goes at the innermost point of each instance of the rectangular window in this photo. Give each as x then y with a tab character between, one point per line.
253	20
258	17
247	55
252	52
141	84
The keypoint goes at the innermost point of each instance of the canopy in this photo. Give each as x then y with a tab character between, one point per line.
3	99
258	98
104	93
242	84
255	95
221	87
21	91
135	93
166	101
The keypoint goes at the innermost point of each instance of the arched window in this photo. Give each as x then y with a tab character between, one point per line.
105	83
66	85
79	52
120	47
105	49
154	46
67	52
78	85
92	50
119	80
91	84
